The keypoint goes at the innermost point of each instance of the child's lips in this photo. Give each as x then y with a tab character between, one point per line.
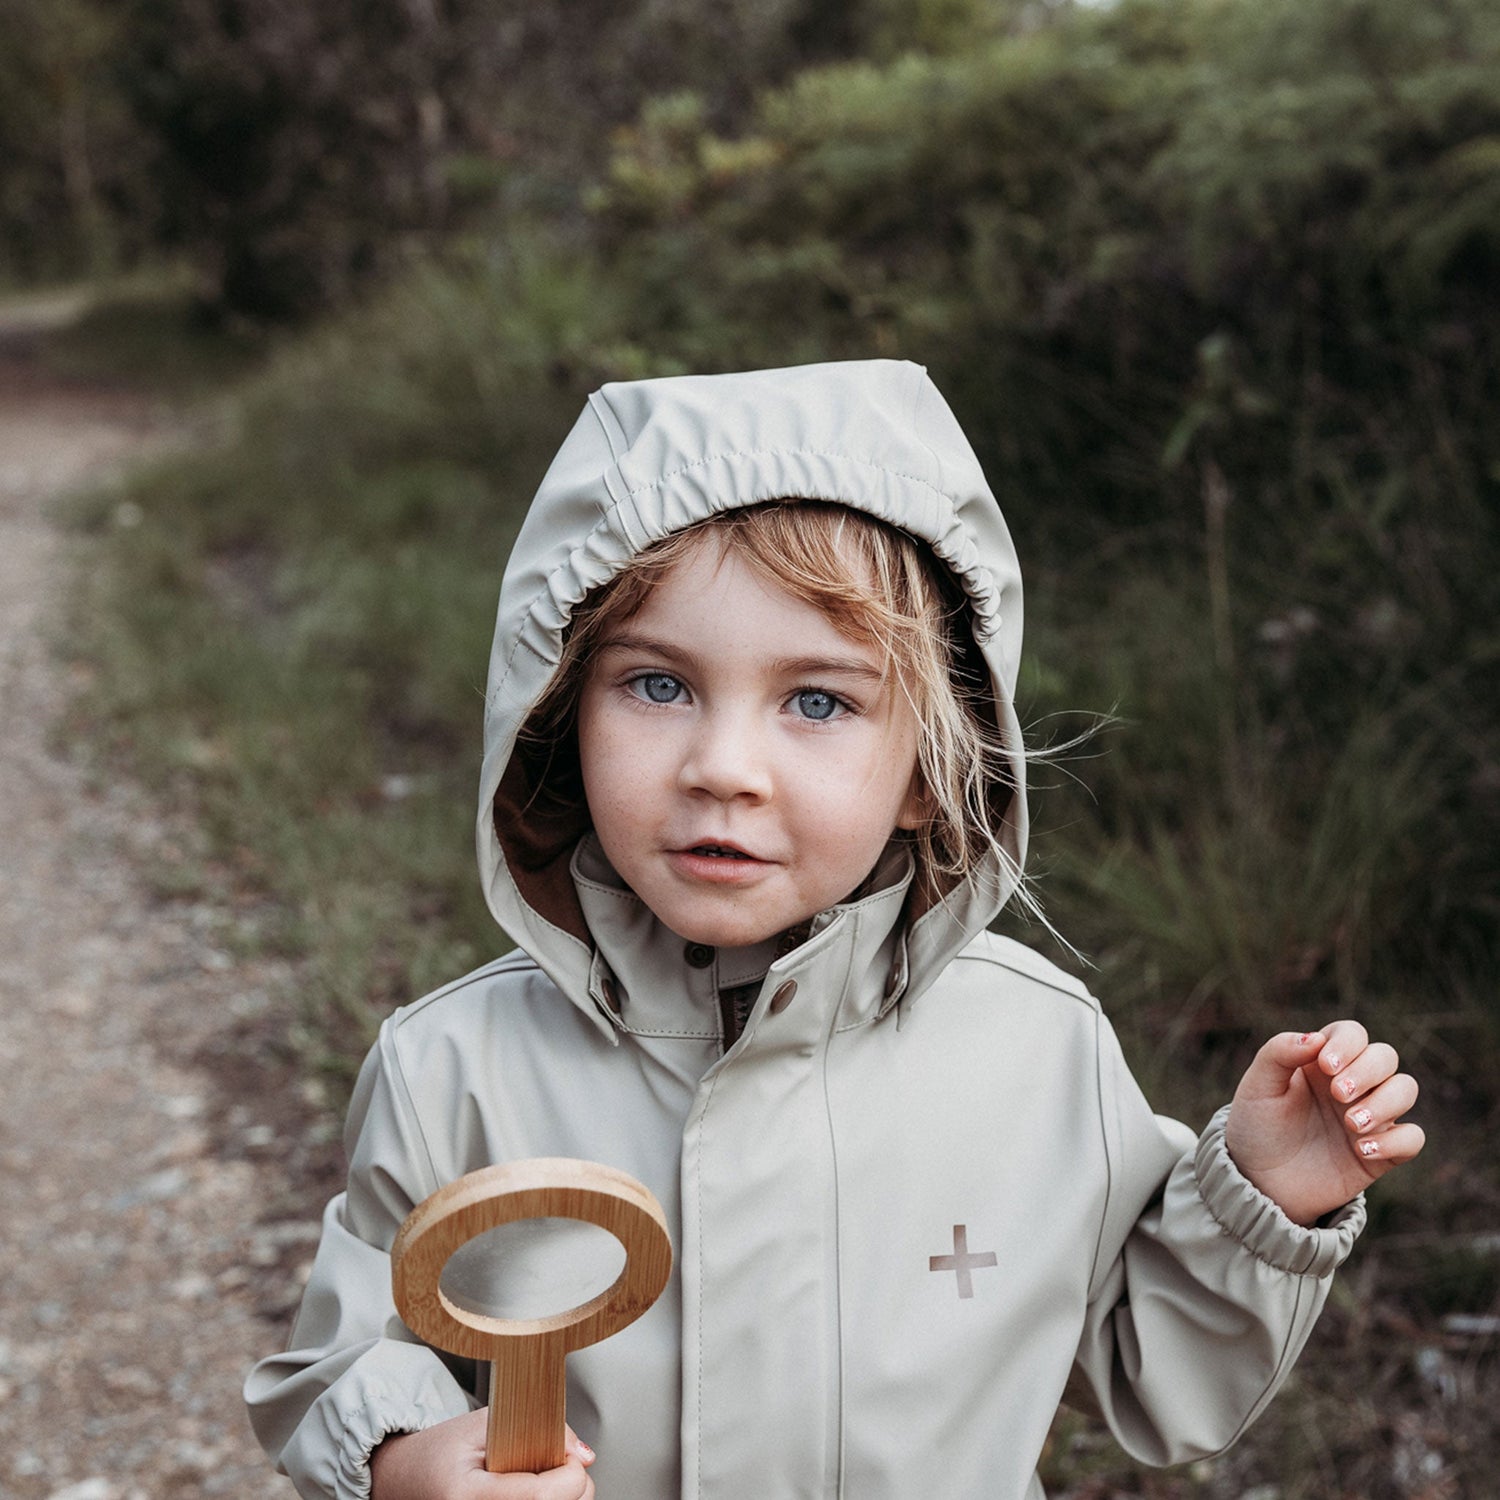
714	860
716	849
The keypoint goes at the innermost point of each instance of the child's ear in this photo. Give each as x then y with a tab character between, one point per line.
917	808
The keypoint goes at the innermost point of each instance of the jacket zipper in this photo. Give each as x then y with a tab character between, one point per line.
735	1004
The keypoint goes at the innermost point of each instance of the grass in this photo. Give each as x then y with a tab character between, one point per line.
293	630
146	330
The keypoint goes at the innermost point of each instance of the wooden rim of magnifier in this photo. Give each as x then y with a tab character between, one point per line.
548	1187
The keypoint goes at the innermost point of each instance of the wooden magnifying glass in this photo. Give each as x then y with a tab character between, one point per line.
526	1355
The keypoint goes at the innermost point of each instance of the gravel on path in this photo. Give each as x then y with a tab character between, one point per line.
161	1177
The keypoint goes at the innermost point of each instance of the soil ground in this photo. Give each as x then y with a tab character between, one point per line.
161	1174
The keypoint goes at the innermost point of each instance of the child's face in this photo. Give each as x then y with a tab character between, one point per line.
744	765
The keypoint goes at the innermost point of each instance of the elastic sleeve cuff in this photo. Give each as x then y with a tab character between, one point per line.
396	1388
1246	1214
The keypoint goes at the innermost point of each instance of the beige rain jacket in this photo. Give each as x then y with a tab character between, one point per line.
917	1196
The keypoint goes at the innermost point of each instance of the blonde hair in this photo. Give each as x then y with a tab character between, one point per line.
878	587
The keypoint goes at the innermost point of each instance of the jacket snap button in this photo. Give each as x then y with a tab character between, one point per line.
783	997
699	955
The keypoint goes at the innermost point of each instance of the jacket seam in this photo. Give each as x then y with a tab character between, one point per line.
517	961
613	891
560	931
596	400
1277	1375
734	453
409	1108
920	386
708	1100
520	640
975	955
687	1036
838	1277
1109	1161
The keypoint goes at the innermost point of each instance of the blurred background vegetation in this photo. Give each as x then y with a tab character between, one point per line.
1212	284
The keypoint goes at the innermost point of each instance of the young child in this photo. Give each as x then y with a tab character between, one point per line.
753	789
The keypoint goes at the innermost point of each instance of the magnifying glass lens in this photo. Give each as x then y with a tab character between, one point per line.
532	1268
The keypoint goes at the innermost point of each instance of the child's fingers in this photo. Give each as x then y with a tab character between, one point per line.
577	1448
1273	1067
447	1460
1383	1105
569	1482
1368	1071
1343	1042
1392	1147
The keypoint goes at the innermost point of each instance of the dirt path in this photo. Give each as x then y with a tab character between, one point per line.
158	1185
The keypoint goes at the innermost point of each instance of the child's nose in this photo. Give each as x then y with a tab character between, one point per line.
727	760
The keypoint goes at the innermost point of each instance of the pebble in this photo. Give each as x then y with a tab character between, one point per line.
181	1106
88	1489
156	1188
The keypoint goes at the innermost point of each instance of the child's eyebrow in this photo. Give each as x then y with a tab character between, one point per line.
642	645
782	666
825	666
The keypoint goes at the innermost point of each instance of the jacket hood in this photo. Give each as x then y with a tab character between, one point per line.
650	457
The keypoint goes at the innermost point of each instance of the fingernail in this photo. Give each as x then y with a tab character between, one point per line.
1363	1119
585	1452
1332	1061
1350	1087
1369	1148
1307	1038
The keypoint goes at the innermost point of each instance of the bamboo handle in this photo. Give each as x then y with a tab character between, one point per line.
527	1386
528	1418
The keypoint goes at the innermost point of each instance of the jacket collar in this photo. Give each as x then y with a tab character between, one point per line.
848	965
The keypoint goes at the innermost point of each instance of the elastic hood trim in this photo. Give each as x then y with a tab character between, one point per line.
649	458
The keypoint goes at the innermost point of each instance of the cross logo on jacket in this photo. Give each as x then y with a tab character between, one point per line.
961	1261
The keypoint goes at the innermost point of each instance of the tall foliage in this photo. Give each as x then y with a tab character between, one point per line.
296	143
293	151
74	191
1214	285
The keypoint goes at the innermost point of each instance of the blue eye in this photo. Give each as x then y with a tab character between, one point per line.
657	687
813	703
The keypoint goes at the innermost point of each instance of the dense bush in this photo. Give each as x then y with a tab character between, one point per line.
1210	285
75	192
292	153
1213	286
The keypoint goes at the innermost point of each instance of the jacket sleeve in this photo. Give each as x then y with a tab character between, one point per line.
353	1374
1203	1292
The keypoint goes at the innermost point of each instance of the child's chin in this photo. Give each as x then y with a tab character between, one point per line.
725	932
727	937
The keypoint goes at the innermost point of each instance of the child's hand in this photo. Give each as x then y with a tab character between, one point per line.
446	1462
1316	1118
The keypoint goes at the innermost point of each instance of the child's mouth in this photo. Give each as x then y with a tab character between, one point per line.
718	851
